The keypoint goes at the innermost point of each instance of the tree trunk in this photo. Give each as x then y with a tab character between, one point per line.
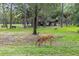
61	22
35	21
4	18
24	24
66	22
11	16
24	16
31	22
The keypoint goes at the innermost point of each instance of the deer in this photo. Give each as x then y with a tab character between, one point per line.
44	38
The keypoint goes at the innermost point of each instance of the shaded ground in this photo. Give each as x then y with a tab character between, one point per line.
7	38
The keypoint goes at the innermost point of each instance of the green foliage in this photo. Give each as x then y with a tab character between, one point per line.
46	10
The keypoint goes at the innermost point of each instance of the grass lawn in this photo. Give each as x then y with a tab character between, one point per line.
66	46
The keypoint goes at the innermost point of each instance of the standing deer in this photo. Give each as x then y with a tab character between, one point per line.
44	38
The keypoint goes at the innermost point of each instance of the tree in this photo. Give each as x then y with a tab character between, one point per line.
24	19
61	22
4	16
22	9
35	20
10	15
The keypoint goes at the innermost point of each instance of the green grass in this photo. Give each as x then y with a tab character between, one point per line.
69	43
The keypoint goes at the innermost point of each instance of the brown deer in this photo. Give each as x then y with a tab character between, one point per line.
44	38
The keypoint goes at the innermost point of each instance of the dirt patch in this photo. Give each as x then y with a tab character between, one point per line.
57	43
11	38
8	38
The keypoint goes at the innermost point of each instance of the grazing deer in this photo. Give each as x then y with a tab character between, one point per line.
44	38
